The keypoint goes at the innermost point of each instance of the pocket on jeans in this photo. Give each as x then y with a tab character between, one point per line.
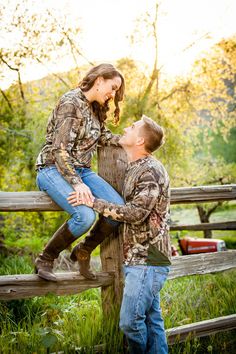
159	278
42	180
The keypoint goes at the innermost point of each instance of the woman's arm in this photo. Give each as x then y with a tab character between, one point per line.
107	138
68	123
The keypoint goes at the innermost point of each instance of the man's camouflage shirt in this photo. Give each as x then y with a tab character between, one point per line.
146	192
73	134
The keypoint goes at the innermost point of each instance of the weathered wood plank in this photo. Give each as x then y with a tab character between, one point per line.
112	248
23	286
39	201
229	225
203	194
203	263
27	201
201	329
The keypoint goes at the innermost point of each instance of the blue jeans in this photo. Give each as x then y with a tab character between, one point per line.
82	218
140	314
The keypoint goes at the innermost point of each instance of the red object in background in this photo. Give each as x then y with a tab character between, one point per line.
174	251
191	245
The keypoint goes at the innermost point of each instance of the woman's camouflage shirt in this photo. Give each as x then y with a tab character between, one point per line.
73	133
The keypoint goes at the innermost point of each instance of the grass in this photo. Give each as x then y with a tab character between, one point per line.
75	324
189	216
71	323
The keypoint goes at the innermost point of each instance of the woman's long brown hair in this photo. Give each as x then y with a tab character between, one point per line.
107	71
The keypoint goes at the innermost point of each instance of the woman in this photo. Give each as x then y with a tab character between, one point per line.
75	128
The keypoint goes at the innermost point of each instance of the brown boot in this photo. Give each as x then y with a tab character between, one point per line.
80	254
60	241
82	251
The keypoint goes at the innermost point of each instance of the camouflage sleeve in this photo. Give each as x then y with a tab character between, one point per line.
68	123
137	210
107	138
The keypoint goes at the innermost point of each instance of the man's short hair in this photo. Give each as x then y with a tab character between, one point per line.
152	133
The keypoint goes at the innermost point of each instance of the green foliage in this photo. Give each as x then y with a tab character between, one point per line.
229	241
75	323
15	265
29	231
224	146
184	302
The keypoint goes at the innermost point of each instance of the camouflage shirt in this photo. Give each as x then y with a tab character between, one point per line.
73	133
146	213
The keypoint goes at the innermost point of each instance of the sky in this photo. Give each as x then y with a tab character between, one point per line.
180	23
186	28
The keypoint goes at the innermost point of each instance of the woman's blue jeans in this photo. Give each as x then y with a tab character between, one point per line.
140	314
82	218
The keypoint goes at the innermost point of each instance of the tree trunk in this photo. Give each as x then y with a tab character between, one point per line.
204	214
3	249
204	218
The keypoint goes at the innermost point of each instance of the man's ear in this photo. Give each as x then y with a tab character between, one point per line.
140	141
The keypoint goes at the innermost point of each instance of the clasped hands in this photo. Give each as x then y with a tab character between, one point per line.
81	195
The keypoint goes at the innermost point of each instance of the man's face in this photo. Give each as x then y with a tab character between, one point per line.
131	134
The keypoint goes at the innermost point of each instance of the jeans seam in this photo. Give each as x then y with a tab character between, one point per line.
138	303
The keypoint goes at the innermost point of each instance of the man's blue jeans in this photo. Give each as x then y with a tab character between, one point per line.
82	218
140	314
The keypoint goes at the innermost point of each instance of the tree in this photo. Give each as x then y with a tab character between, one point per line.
32	38
194	112
214	102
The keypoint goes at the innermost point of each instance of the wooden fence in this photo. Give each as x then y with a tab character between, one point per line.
110	279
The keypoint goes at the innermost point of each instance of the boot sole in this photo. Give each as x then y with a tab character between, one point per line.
87	276
45	275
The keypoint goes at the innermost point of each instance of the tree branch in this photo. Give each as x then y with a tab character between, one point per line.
6	99
18	75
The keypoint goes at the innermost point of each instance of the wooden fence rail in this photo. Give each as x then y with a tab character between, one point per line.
39	201
23	286
201	328
229	225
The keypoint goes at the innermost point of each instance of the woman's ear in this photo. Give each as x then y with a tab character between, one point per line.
99	80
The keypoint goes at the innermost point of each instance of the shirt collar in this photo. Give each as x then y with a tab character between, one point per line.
139	161
82	96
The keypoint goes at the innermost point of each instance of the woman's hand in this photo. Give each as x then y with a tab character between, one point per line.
81	195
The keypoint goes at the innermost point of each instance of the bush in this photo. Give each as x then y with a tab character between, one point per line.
230	242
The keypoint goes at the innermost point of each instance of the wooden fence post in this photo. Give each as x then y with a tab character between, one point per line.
112	163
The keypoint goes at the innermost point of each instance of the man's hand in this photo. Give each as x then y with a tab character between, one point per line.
81	195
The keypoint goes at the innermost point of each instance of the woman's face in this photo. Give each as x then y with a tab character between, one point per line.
106	89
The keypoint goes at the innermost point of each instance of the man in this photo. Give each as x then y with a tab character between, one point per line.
146	240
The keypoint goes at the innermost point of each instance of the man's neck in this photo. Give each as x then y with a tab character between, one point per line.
133	155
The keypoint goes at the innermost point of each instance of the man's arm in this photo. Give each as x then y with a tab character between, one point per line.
146	194
137	210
